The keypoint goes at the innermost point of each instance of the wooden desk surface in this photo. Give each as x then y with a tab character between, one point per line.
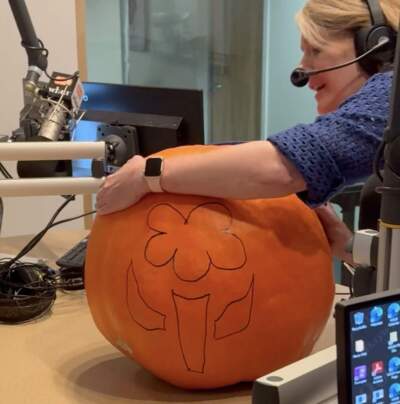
63	359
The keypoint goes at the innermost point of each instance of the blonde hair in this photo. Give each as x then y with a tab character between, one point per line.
321	20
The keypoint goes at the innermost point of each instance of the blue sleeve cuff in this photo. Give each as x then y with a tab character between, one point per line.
321	174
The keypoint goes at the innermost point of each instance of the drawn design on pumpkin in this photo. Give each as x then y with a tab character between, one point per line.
192	340
168	223
236	316
186	231
139	310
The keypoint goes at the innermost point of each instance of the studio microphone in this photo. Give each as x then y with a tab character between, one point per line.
54	122
52	128
300	77
61	101
58	108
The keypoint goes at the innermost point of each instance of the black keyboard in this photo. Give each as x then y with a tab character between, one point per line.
75	257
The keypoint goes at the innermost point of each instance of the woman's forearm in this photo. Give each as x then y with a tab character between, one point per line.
244	171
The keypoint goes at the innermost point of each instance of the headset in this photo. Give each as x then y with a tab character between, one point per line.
26	292
375	46
29	289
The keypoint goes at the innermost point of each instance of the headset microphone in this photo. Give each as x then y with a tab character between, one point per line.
299	76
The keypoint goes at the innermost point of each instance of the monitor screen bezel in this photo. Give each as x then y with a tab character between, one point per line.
343	336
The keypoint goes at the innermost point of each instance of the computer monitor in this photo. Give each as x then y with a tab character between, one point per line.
368	348
161	117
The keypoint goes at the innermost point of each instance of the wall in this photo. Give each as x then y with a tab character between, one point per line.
283	104
54	22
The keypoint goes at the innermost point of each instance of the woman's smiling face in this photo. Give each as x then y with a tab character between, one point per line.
332	88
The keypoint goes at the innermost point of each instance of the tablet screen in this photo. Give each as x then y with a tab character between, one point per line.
371	338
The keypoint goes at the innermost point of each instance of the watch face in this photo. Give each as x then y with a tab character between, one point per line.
153	167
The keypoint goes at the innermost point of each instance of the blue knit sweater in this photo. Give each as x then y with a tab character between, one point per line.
338	149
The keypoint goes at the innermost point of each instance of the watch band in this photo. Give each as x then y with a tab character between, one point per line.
152	173
154	184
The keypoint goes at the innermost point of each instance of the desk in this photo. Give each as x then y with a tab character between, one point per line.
63	359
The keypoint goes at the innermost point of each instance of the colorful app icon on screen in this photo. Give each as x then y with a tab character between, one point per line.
393	337
378	395
394	391
358	318
393	312
359	346
377	368
376	315
361	399
394	364
360	373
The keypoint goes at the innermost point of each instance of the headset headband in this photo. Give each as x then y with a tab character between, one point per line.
376	13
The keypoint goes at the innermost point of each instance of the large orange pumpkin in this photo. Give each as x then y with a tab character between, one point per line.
205	292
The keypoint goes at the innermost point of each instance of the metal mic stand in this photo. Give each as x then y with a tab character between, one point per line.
37	57
113	151
388	268
378	253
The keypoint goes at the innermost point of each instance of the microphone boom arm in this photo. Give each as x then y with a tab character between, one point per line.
388	274
37	54
299	76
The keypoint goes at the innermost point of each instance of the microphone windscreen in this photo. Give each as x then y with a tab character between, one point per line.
299	77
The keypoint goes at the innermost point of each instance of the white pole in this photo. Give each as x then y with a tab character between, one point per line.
51	150
49	186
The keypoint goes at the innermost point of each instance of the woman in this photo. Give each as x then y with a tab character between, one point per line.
315	160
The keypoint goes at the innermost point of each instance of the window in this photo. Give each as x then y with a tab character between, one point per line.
212	45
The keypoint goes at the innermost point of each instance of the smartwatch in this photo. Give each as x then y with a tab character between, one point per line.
152	173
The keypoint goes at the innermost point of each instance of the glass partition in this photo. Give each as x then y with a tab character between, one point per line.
210	45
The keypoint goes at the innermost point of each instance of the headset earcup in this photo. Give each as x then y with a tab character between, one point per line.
361	42
366	38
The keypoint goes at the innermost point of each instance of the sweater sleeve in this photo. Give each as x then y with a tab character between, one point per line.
338	149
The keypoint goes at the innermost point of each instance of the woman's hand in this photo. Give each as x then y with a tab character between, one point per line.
124	188
337	233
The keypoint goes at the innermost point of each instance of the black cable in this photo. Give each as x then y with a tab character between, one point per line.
378	159
32	243
40	235
66	78
46	53
28	290
5	172
92	212
45	282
